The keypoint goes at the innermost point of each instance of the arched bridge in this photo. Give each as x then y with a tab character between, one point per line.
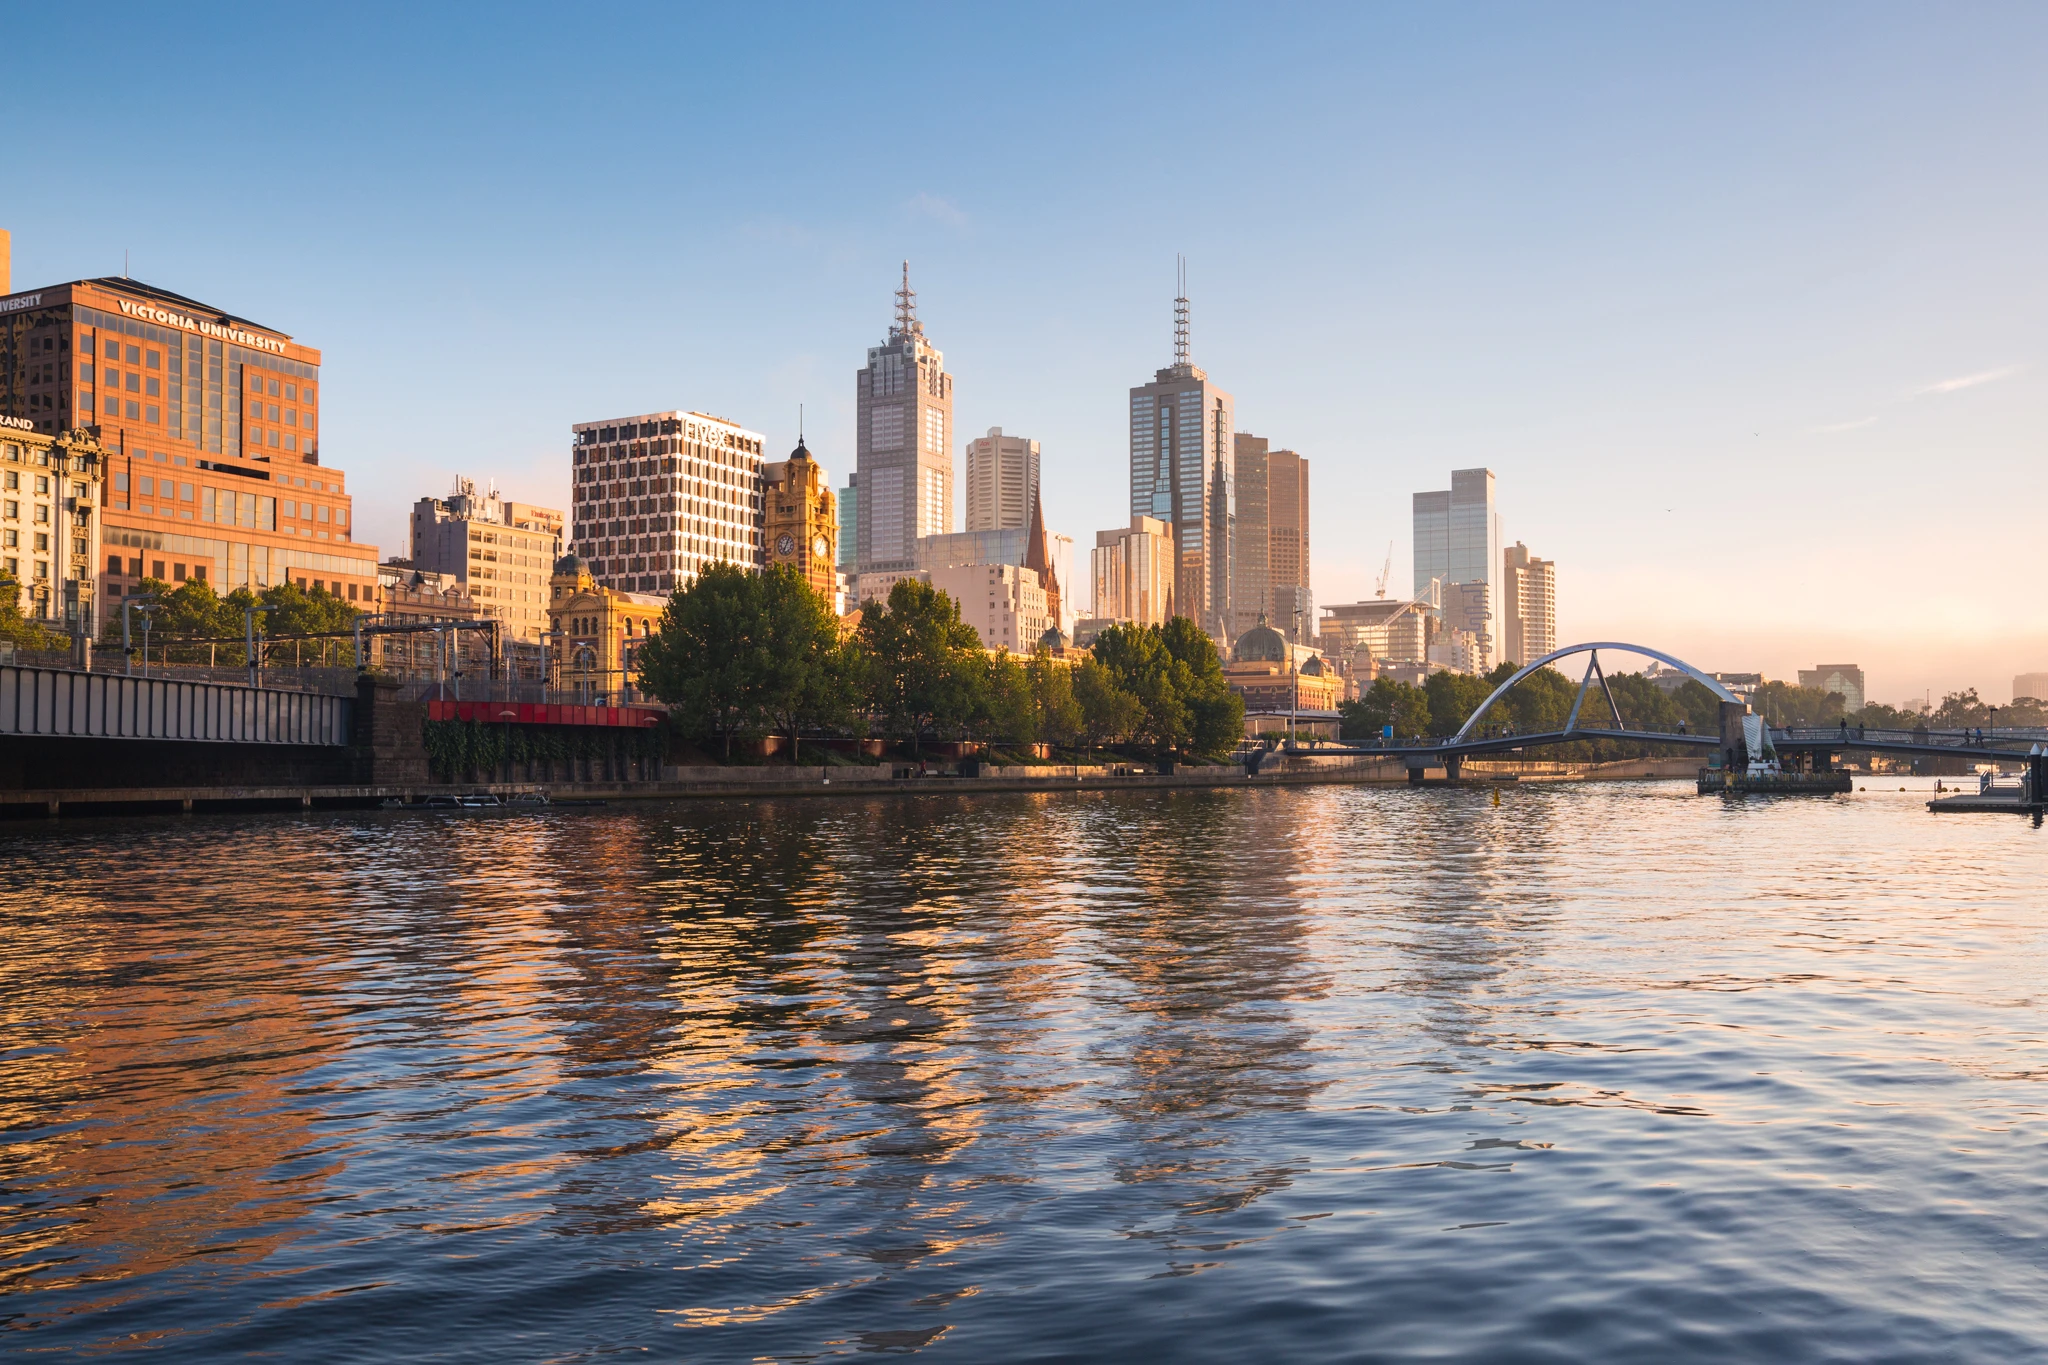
1479	736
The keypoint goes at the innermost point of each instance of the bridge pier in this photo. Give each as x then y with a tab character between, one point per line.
1415	775
1734	749
1453	765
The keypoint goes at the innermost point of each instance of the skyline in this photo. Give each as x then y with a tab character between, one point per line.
1736	311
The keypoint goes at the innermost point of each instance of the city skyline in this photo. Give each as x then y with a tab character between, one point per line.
1799	275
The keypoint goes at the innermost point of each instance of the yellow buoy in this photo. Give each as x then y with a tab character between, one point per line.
1496	796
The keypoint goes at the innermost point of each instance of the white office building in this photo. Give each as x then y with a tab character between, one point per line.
1002	481
658	496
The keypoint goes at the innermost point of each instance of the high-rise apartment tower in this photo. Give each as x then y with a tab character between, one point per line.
1183	473
1002	481
903	457
1528	593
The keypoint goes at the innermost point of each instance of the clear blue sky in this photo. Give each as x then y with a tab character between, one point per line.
1744	306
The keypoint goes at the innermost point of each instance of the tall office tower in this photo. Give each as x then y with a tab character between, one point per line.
1271	574
1183	473
659	496
502	553
1002	481
903	456
1457	540
1133	573
1250	540
1529	606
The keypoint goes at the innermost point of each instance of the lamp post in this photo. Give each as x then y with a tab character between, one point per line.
147	601
249	615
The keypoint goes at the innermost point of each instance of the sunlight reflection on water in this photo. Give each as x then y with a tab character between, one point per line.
1609	1071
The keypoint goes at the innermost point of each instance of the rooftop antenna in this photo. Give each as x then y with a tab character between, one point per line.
1180	311
906	306
124	262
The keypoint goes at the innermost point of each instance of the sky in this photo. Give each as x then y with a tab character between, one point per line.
1742	304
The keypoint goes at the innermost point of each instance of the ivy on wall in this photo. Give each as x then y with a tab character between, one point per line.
457	747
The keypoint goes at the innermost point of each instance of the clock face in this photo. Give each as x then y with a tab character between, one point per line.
818	547
785	545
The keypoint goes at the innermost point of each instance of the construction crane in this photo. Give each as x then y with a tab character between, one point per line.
1388	571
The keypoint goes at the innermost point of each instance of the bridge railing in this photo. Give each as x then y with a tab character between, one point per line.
1972	738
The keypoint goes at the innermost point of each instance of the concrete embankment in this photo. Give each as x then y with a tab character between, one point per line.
885	779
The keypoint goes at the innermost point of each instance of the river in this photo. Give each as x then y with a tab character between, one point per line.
1603	1072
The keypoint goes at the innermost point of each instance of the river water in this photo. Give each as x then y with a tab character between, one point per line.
1603	1072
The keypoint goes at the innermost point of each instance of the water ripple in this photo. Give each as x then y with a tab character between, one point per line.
1602	1072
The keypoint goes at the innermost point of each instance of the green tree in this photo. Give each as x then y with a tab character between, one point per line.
1783	703
1216	714
1385	703
21	631
1173	671
1108	713
813	677
1005	708
709	659
924	664
1056	711
1135	658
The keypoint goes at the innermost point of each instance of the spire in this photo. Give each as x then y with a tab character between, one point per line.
1180	313
1038	556
906	307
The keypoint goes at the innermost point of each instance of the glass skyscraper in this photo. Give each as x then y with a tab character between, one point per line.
1184	473
1457	542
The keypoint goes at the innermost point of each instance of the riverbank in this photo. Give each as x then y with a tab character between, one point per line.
883	779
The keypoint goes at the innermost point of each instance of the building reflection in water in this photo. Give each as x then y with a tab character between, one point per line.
152	1082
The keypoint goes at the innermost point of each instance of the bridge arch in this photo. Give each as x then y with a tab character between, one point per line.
1593	649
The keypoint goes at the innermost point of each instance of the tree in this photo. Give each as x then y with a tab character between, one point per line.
21	631
1216	714
1385	703
1006	708
812	678
709	659
1056	711
924	662
1108	713
1173	671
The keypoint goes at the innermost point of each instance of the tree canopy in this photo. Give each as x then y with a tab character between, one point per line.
1173	674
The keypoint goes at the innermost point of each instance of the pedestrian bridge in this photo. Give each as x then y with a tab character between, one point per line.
1480	736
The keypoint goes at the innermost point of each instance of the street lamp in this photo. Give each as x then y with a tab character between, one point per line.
249	615
148	601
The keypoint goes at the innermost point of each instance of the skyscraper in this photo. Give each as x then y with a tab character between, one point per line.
903	457
1529	606
1183	473
1271	540
1002	481
1457	540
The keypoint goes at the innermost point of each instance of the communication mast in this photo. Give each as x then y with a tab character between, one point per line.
1180	311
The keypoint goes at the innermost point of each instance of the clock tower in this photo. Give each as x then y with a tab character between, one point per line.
801	523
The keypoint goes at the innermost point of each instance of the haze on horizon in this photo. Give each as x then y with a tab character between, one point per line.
1744	307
